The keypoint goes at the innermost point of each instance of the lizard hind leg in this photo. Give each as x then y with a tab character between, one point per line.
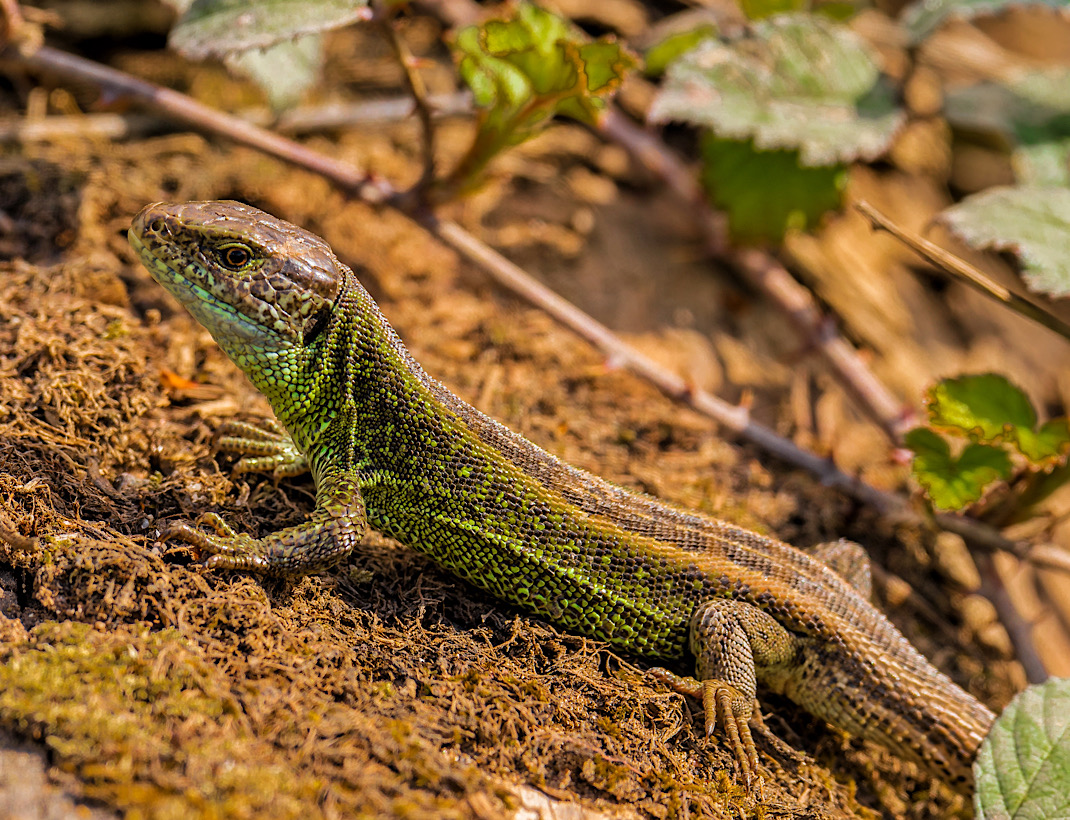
732	641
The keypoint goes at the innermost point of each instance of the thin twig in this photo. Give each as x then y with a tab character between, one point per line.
419	95
766	275
961	269
304	120
341	115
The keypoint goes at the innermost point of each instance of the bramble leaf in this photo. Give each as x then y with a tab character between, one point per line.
983	407
765	193
283	71
1031	221
1023	768
524	71
1047	443
988	408
799	82
953	483
216	28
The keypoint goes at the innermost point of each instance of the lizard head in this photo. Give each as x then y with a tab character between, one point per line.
259	285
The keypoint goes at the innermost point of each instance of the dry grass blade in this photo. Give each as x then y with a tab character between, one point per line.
959	268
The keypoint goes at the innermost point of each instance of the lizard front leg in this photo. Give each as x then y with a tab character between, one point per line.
731	640
265	446
332	531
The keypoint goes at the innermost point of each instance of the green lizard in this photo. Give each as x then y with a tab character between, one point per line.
391	448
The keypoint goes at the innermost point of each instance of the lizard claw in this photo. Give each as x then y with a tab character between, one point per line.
723	703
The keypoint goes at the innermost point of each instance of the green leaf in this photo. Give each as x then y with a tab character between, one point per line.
799	82
988	408
765	193
1046	163
983	407
283	71
923	17
760	9
524	71
1046	444
1031	221
1023	768
667	50
953	483
215	28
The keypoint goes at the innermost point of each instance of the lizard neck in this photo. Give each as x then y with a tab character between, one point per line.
351	386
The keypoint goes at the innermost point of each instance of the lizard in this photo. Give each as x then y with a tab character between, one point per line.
391	448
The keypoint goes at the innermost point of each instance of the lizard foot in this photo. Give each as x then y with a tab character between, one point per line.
227	549
266	448
332	531
724	705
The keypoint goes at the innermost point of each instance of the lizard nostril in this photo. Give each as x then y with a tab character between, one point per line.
156	226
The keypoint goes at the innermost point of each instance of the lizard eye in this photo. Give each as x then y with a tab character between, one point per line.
235	257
